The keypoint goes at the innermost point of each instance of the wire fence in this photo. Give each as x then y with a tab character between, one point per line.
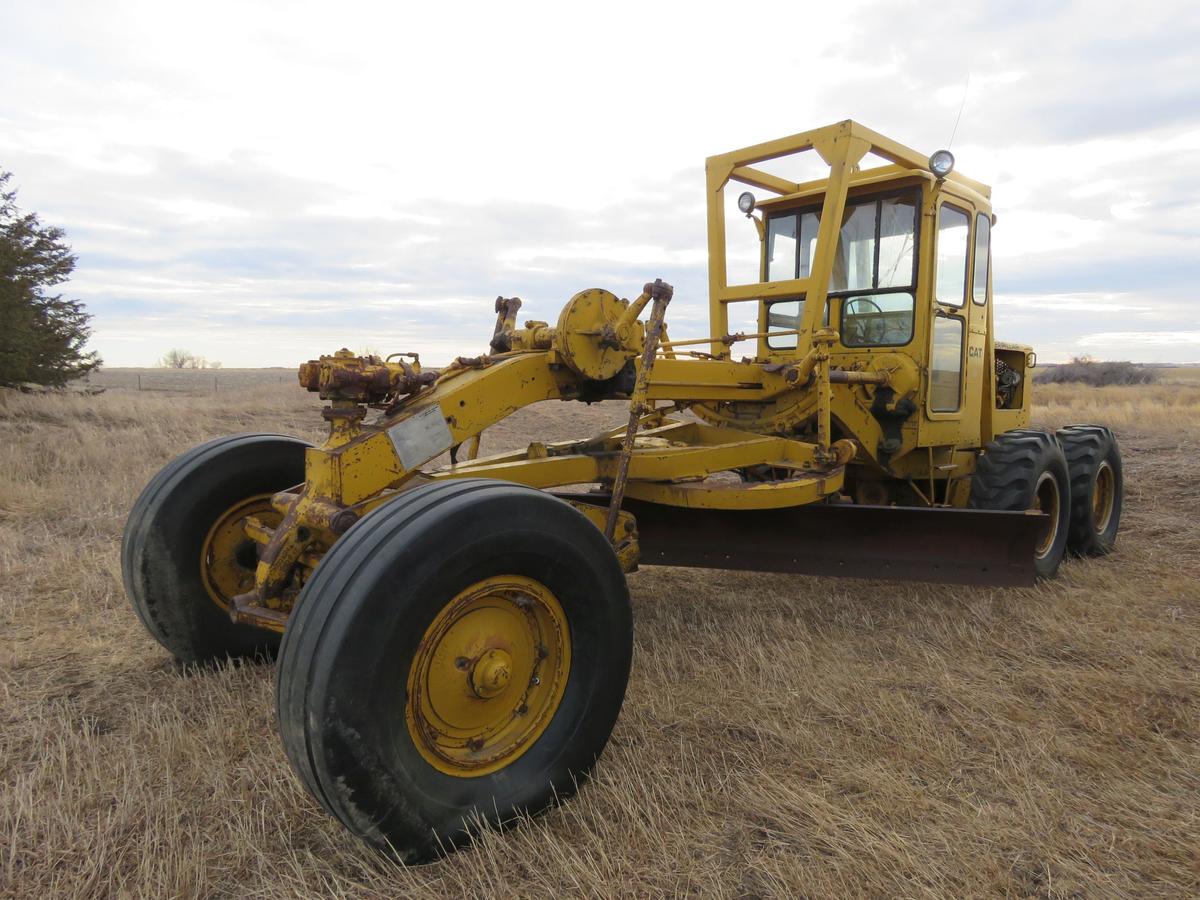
187	381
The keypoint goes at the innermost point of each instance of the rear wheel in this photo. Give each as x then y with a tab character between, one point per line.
1026	470
459	656
185	555
1097	488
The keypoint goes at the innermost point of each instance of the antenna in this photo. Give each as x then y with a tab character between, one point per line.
961	106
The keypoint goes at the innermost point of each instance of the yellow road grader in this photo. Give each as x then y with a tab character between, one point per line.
454	638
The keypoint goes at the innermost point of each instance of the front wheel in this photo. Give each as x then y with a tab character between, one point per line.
185	554
460	655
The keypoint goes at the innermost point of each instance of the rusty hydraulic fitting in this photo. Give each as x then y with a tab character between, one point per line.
413	382
362	379
368	379
506	322
658	290
310	375
536	335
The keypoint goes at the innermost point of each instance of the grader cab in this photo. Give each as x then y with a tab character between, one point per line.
454	630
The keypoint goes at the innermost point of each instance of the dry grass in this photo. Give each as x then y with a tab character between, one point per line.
782	736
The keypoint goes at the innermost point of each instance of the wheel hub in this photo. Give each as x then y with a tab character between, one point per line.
488	676
491	674
1103	497
1046	500
228	557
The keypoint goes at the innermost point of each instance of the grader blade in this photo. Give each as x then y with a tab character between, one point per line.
952	546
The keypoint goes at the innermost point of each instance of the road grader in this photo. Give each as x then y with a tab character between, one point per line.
454	630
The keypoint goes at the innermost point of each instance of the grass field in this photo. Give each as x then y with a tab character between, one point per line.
782	736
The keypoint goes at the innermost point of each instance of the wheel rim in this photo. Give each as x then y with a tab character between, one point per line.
488	675
1103	497
228	556
1046	500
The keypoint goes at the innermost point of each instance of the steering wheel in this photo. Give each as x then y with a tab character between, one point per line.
869	324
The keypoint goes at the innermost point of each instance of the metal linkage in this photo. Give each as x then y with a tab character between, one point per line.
506	322
660	292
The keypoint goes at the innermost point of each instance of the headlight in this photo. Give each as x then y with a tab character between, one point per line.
941	163
746	202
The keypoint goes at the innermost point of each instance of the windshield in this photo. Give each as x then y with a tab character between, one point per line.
873	276
889	222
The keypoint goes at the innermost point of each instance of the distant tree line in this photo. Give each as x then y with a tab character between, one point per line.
182	359
1097	373
42	333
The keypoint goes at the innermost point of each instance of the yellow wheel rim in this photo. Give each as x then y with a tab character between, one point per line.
228	556
1103	497
488	676
1046	500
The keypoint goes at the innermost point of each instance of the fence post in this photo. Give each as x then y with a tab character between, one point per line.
139	378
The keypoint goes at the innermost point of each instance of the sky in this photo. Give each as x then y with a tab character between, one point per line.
260	183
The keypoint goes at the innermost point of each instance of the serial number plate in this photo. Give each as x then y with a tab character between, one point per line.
420	438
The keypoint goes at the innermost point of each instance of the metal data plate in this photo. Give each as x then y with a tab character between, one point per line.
421	437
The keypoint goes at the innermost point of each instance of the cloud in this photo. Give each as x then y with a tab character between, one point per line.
1134	340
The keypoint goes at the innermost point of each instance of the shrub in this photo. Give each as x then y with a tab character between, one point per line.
1097	373
183	359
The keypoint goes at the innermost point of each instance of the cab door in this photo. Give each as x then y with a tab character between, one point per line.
957	334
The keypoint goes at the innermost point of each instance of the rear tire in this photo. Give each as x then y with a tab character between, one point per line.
168	537
371	641
1026	470
1097	488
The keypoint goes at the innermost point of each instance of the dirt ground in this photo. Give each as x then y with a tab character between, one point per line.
782	736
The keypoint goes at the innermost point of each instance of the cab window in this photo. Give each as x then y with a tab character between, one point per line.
784	315
953	226
873	273
781	248
945	368
874	269
791	239
983	241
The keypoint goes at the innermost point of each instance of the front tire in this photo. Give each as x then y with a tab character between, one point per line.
1097	488
459	656
1026	470
184	555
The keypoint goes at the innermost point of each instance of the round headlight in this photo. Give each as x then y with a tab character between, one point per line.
941	163
746	202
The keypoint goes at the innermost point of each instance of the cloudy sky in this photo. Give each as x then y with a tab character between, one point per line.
260	183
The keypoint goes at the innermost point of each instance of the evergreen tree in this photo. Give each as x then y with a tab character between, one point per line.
42	335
